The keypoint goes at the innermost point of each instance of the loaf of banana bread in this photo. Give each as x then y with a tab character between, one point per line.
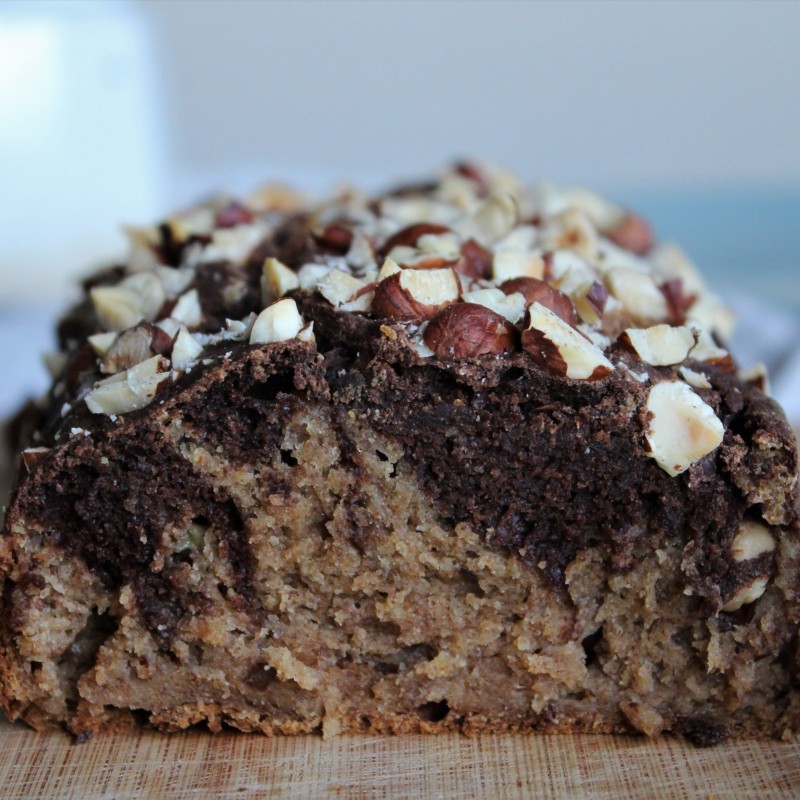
465	455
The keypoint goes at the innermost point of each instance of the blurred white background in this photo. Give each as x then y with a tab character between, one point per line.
115	112
615	93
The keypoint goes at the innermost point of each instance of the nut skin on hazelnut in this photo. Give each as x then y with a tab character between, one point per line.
231	215
475	261
134	346
678	302
536	291
544	352
633	233
415	294
410	235
473	173
597	297
560	349
463	330
428	262
709	352
33	455
83	361
335	238
590	301
161	342
547	356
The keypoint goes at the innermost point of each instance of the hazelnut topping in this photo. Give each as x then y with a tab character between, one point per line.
463	330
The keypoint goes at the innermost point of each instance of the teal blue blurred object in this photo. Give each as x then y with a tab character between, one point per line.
745	241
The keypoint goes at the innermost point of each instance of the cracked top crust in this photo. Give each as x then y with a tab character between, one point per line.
555	376
560	274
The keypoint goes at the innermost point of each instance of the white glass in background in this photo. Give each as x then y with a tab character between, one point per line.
80	141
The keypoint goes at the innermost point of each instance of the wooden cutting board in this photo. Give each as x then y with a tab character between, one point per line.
198	766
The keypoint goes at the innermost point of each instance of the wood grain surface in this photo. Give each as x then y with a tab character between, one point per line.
198	765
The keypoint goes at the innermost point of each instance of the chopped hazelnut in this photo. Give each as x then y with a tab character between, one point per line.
559	348
682	428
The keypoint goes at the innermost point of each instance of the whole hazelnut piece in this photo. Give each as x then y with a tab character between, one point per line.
467	329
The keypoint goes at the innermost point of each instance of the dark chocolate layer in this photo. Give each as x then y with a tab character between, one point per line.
547	467
542	466
109	501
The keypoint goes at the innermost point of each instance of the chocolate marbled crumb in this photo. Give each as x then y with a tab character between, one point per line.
109	500
543	468
244	411
547	467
